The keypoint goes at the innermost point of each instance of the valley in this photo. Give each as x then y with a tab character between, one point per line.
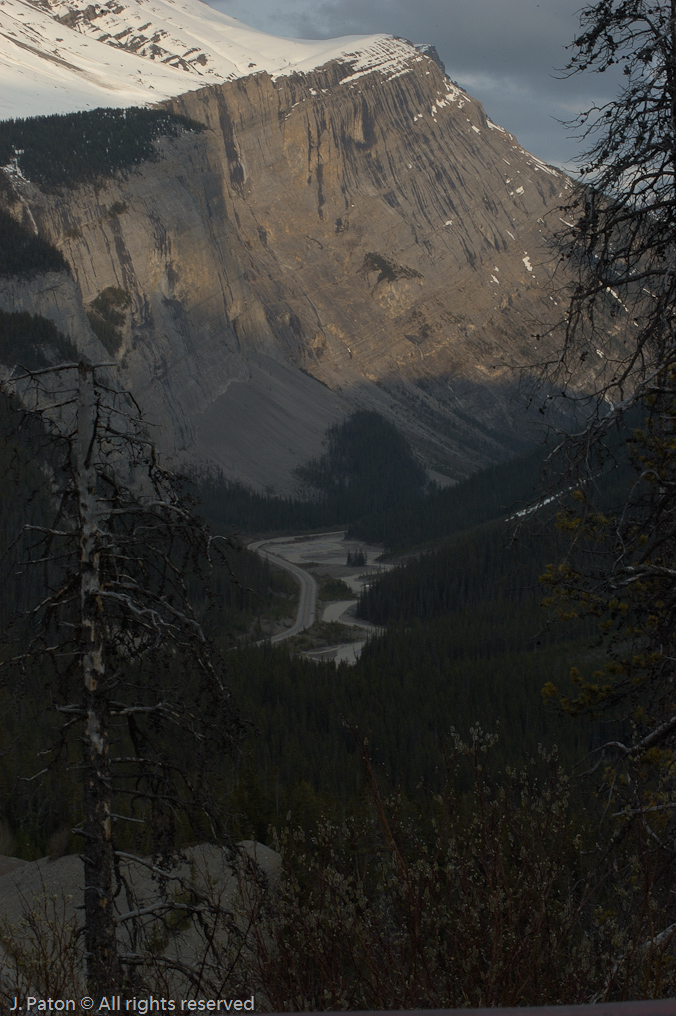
321	565
301	564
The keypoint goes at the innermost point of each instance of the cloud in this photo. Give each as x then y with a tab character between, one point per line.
504	52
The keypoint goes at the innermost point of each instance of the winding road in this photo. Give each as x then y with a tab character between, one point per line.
308	585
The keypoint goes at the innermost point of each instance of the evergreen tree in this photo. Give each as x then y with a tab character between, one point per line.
621	562
622	315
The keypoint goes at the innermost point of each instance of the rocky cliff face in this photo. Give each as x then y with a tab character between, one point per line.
56	296
337	239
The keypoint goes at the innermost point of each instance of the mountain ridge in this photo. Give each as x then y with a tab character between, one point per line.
333	240
59	56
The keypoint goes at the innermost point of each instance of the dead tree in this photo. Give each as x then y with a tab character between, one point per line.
122	652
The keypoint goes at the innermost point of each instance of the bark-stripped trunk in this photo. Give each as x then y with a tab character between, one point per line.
100	941
670	66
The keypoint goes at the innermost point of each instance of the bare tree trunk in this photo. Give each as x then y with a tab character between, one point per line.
116	562
100	939
670	70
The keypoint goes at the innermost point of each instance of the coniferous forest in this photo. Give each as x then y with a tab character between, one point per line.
465	642
450	691
369	481
76	148
479	811
24	254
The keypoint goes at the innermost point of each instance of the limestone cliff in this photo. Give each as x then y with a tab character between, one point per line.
334	239
53	295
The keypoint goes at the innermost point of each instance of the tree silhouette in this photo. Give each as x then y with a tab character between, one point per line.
145	715
621	563
622	241
622	317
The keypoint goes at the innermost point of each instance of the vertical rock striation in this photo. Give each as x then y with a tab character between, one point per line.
350	237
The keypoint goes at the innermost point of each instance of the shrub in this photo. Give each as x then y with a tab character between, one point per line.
483	901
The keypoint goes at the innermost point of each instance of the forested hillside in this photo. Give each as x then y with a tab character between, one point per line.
465	644
493	562
24	254
74	148
405	696
369	482
36	817
32	341
466	640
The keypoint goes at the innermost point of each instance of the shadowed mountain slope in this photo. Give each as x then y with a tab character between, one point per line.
353	237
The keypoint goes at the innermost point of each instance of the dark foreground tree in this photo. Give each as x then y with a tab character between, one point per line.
623	240
622	321
620	333
114	646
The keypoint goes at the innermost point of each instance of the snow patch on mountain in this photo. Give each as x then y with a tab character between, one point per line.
59	56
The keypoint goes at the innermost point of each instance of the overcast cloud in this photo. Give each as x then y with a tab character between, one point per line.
504	52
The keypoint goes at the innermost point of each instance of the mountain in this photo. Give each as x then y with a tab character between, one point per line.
50	60
350	230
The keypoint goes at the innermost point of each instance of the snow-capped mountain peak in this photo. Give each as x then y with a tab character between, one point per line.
60	56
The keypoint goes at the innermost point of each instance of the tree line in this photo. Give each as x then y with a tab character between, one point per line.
369	481
70	149
23	254
486	881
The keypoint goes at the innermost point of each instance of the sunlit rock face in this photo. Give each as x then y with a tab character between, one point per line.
59	56
359	235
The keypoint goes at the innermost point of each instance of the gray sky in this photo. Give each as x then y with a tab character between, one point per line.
504	52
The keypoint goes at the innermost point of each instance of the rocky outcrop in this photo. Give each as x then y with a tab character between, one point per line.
41	904
55	296
333	240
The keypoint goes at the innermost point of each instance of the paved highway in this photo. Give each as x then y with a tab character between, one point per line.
308	586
